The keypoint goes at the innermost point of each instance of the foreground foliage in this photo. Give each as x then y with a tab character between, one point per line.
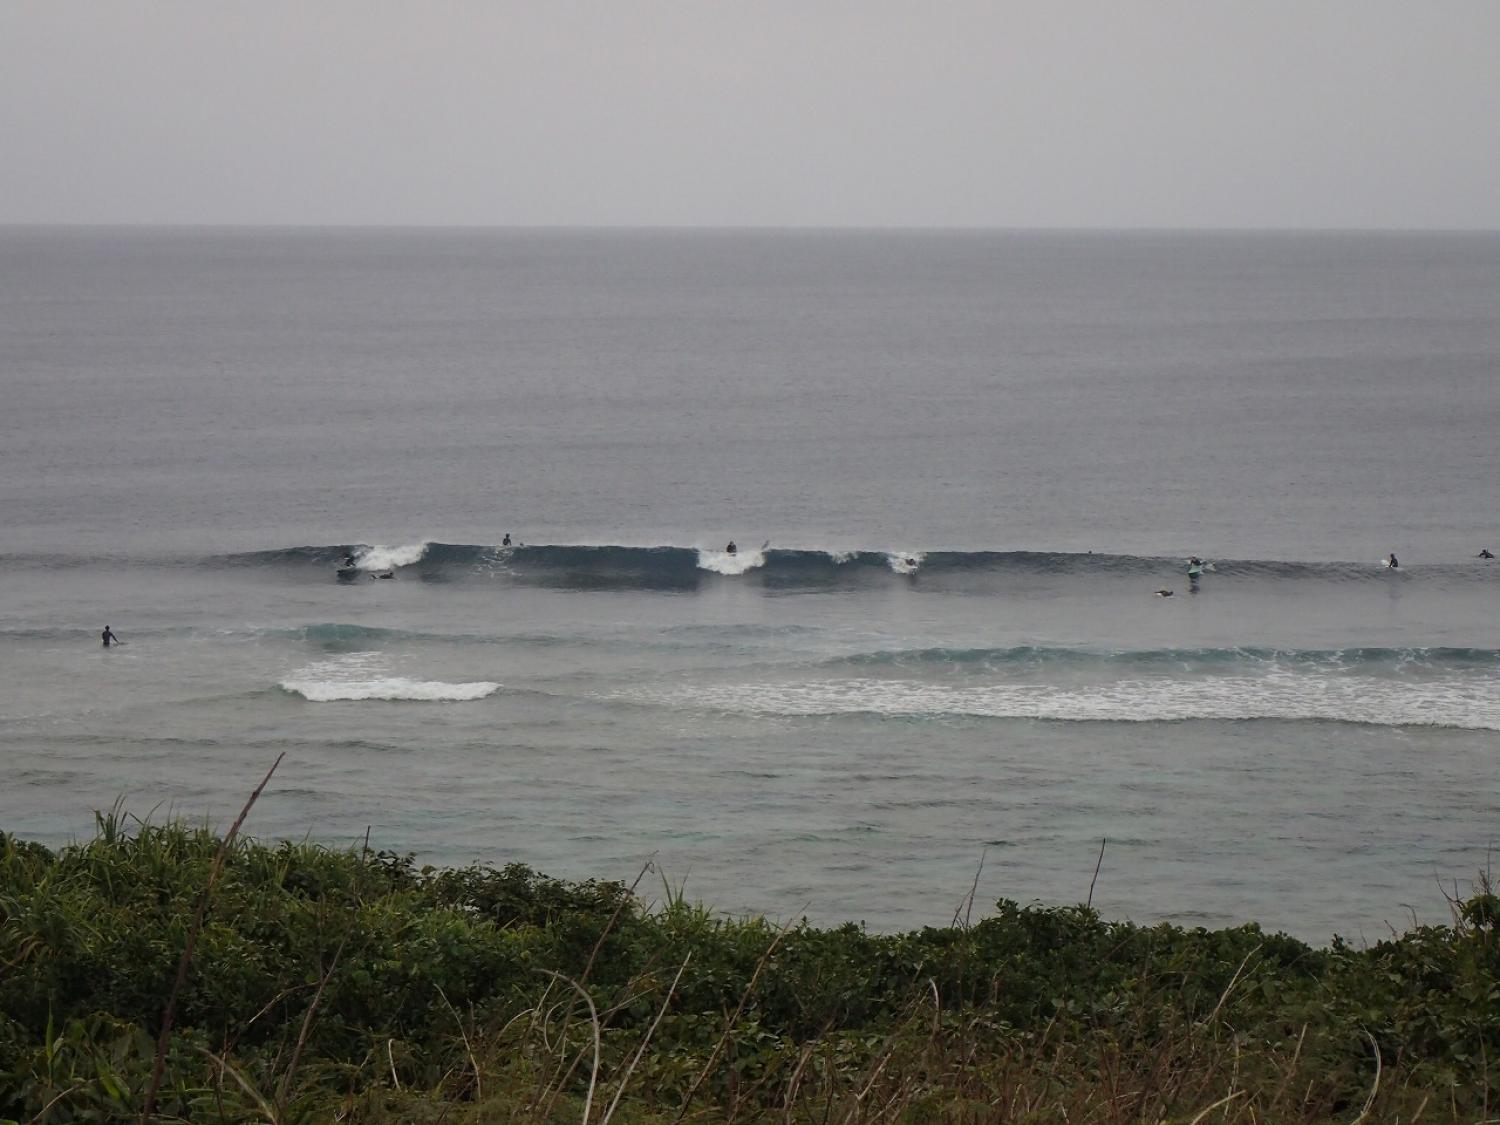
354	984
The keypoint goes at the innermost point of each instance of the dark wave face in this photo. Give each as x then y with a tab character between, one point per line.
673	568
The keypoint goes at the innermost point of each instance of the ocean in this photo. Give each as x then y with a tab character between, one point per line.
957	465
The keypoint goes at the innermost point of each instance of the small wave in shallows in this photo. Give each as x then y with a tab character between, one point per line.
389	688
365	676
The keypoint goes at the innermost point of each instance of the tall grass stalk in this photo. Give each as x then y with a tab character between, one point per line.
148	1107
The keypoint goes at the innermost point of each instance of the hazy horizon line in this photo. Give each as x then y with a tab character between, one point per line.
647	228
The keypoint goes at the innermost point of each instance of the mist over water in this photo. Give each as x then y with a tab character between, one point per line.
958	467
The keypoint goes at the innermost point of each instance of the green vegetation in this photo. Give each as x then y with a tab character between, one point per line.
354	985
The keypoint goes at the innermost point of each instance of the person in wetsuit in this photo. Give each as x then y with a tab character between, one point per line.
506	541
1392	562
110	638
1484	553
731	549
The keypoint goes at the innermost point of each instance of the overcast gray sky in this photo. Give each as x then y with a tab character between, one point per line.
1113	113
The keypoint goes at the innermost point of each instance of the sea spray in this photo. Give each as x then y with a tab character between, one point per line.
730	562
378	558
904	562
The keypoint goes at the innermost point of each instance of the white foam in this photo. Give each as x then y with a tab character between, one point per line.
364	675
1467	704
389	558
722	562
905	562
393	687
839	558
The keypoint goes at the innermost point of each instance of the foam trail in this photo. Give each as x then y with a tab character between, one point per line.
390	688
722	562
389	558
362	675
1468	705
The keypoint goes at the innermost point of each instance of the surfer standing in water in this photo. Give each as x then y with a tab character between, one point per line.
110	638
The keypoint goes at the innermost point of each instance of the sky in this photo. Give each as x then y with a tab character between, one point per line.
856	113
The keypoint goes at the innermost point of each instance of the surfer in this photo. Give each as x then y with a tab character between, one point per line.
506	541
1484	553
110	638
387	574
1392	562
731	549
348	560
1164	593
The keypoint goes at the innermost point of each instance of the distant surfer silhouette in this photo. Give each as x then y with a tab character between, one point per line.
731	549
387	574
110	638
1484	553
506	541
1164	593
1392	562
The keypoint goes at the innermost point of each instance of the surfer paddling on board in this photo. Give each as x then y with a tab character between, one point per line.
1164	593
1484	553
110	638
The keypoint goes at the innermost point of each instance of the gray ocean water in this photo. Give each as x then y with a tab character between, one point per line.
957	466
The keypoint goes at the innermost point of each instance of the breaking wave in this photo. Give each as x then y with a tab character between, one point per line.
1021	657
389	558
391	688
362	676
670	567
725	562
1473	705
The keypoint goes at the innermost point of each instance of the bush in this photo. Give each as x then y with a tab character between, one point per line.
356	983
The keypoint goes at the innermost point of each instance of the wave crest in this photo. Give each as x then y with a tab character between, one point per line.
722	562
361	676
1467	706
389	558
606	566
389	688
